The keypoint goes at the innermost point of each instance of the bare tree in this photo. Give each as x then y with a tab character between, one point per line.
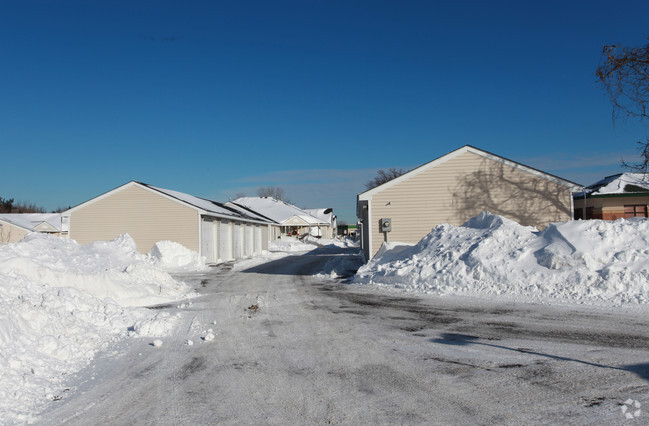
7	205
624	73
383	176
272	191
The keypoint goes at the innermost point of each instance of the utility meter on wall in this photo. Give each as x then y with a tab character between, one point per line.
385	224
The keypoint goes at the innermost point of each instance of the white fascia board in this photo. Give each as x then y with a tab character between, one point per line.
301	222
45	227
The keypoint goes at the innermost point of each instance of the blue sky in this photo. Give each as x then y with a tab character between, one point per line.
218	98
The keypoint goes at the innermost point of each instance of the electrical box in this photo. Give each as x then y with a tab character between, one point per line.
385	224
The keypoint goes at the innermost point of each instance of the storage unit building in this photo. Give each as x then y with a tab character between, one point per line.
455	188
150	214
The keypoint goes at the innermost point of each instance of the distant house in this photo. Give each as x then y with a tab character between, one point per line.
150	214
14	226
291	219
623	195
456	187
325	215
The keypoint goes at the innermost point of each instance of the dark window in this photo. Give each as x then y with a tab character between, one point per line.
635	210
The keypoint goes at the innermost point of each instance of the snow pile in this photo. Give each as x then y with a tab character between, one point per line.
323	242
61	302
111	269
341	266
171	256
578	261
290	244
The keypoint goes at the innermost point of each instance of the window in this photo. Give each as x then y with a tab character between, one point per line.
635	210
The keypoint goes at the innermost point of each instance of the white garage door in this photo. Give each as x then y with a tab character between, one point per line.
225	244
250	248
237	240
208	240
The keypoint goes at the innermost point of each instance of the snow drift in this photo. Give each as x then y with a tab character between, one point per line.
174	257
578	261
62	302
290	244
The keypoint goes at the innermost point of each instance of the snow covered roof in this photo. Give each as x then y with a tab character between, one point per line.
325	215
247	211
277	210
209	205
621	183
201	203
30	221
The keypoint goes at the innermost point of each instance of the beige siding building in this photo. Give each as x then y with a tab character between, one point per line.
457	187
150	214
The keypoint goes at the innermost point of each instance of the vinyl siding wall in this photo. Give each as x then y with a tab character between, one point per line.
146	216
10	233
459	189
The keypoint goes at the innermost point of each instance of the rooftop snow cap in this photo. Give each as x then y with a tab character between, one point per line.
277	210
31	221
621	183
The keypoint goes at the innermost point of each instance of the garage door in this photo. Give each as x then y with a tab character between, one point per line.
225	243
208	240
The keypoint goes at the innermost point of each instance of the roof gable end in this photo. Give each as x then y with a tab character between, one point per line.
451	155
121	188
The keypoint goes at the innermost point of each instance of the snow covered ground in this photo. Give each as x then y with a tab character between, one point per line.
585	262
277	339
62	302
339	266
274	344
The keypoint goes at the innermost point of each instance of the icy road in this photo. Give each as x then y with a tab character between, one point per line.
289	348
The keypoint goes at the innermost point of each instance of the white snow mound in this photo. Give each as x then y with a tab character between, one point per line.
61	303
324	242
172	256
290	244
574	262
103	269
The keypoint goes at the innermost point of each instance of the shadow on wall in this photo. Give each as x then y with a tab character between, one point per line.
517	195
